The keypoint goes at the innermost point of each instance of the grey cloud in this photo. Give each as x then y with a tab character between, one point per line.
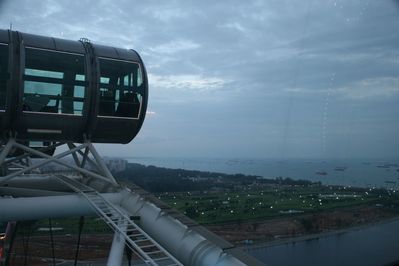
246	78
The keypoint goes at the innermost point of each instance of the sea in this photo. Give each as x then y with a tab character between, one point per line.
367	246
378	173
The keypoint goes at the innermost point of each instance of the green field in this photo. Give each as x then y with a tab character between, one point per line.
92	225
272	202
250	204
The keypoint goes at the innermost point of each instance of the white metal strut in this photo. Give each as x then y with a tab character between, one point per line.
137	240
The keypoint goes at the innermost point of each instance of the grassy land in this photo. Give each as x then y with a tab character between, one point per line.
92	225
250	204
273	202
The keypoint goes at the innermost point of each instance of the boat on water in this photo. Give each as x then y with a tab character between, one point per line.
321	173
340	168
387	165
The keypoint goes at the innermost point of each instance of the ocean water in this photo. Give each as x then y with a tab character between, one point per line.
353	172
369	246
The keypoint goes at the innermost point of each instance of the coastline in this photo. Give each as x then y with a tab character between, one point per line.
314	236
360	172
276	231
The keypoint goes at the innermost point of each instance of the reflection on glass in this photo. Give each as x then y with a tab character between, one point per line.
54	82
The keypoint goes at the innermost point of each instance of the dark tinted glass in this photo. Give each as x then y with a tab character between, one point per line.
3	74
120	86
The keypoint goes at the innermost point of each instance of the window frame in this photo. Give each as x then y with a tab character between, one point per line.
85	84
139	70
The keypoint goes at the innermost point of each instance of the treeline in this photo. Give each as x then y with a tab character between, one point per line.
157	179
288	181
160	179
154	171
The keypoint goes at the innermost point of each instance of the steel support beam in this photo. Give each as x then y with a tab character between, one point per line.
116	253
33	208
186	244
104	175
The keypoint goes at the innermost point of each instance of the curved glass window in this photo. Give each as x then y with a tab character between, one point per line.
120	88
54	82
3	74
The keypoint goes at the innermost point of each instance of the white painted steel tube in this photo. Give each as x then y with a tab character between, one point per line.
188	246
35	181
18	209
185	244
118	246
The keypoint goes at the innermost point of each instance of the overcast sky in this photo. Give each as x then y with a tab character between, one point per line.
268	79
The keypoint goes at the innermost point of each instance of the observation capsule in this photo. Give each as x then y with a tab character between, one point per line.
60	90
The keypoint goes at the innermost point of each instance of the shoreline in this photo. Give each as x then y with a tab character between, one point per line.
283	230
314	236
266	168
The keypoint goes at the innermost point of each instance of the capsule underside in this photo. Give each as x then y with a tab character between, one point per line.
60	90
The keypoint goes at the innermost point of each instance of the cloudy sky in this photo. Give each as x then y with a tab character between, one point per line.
265	79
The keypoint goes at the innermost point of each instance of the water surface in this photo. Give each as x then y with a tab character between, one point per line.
373	245
351	172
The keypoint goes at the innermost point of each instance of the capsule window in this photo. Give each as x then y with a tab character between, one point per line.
54	82
120	89
3	74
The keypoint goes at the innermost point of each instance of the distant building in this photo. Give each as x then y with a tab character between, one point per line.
116	165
